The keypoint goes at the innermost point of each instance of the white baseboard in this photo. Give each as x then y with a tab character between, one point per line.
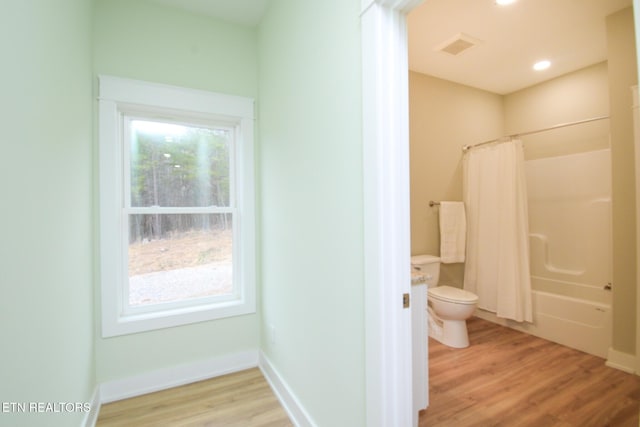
623	361
297	413
174	376
91	418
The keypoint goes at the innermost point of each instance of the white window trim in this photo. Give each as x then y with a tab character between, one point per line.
119	95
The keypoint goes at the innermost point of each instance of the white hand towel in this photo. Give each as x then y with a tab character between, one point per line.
453	232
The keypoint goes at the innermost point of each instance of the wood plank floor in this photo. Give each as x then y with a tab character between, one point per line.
242	399
508	378
505	378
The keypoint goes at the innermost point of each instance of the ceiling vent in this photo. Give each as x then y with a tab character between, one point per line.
459	43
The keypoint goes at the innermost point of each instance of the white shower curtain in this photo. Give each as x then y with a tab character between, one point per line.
495	197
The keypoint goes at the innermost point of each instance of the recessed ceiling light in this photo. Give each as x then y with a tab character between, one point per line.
541	65
504	2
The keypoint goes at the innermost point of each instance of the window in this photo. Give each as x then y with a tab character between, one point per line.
176	206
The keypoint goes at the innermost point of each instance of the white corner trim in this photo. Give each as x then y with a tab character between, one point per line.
297	413
174	376
623	361
91	417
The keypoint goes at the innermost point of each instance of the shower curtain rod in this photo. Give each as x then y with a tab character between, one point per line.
517	135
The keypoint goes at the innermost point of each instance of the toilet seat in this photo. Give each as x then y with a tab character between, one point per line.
453	295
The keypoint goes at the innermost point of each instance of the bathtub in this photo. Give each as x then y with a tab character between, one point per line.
570	314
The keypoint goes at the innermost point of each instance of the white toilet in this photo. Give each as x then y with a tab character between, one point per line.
449	307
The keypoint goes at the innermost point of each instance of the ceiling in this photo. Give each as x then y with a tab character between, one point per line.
569	33
245	12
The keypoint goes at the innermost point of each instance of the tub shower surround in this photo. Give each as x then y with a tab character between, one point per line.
570	243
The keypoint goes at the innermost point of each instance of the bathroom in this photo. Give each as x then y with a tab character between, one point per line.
438	107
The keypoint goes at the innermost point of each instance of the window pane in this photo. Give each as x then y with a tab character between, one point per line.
178	257
177	166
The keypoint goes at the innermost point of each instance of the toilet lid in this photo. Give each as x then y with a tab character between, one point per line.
451	294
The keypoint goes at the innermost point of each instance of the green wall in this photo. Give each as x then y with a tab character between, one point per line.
311	204
310	184
141	40
46	318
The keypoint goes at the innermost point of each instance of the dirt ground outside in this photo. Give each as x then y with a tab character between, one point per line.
182	266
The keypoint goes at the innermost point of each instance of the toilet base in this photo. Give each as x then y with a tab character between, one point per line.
452	333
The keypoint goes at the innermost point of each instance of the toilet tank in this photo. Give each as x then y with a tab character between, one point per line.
429	265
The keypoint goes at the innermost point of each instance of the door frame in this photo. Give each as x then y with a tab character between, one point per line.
385	73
